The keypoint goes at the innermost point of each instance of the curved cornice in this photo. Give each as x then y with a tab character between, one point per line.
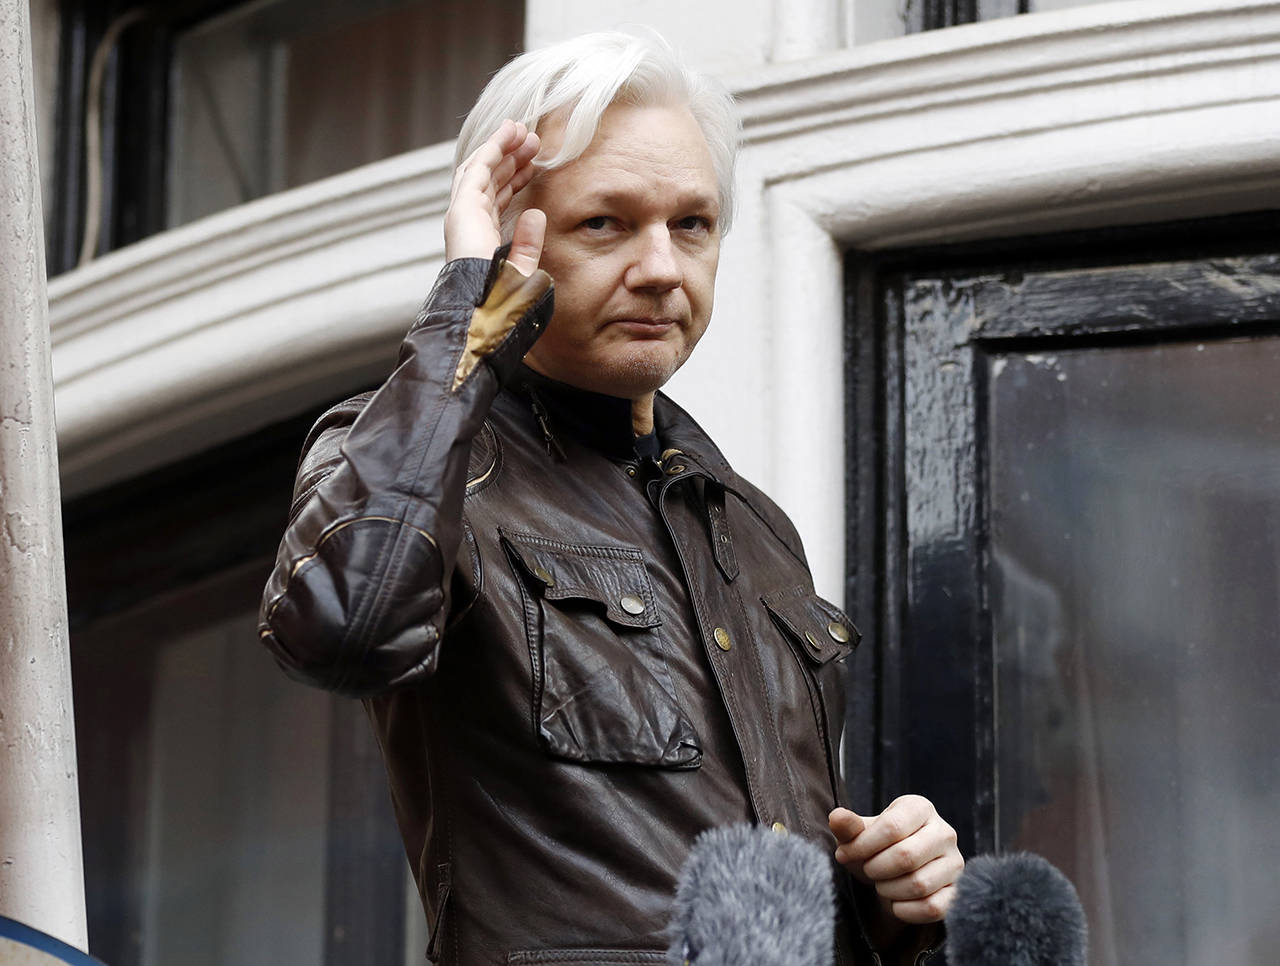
1098	115
1125	111
216	328
1086	46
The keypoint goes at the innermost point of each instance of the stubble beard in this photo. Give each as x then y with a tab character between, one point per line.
643	370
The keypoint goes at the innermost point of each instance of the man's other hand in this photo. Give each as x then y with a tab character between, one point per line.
483	186
907	852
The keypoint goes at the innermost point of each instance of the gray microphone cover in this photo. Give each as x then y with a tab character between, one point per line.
1015	910
750	896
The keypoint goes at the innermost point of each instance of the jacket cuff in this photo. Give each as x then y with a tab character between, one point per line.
510	312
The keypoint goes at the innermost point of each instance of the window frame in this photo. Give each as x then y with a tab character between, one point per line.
135	121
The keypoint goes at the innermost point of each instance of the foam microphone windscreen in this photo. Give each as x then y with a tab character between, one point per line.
1015	910
750	896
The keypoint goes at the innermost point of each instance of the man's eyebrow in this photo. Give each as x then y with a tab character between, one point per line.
686	199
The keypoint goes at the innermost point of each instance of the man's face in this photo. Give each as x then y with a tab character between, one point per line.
632	243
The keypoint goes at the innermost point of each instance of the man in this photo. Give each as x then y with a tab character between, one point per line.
581	637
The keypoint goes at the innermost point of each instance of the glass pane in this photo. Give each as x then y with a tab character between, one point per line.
1135	564
238	807
204	788
282	92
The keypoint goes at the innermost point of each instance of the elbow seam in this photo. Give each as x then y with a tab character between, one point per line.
329	531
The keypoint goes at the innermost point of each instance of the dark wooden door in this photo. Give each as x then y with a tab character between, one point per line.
1065	548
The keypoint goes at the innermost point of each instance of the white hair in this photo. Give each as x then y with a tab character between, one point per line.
584	76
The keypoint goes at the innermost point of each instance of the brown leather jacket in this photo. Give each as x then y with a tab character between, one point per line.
575	659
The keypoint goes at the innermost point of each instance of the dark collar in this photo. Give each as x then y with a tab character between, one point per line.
599	421
604	422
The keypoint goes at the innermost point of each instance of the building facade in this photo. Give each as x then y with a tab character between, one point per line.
997	324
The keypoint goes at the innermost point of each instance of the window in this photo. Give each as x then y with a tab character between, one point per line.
277	94
206	105
932	14
229	815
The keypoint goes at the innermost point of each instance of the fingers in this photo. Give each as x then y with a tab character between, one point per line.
920	883
526	241
506	140
933	908
903	818
523	154
483	186
908	853
504	161
522	172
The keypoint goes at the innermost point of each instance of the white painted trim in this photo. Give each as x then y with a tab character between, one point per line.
1143	110
1096	115
806	385
225	325
1112	114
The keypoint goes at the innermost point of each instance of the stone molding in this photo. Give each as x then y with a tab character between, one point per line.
1102	115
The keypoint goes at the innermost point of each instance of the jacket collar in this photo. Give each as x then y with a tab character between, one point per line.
604	422
599	421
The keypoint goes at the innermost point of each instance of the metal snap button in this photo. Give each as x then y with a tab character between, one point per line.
544	575
838	632
812	641
675	469
631	604
779	828
722	638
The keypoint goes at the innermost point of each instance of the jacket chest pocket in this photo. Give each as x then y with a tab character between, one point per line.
602	691
820	636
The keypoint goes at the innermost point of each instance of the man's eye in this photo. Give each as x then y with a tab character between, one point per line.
694	223
597	223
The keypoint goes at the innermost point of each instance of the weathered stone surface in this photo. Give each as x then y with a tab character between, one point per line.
41	867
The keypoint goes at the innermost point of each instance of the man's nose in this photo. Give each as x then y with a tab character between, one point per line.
656	266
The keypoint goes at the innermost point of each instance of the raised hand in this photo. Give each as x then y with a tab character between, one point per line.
483	186
907	852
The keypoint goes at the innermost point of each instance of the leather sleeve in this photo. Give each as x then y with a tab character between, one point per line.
359	596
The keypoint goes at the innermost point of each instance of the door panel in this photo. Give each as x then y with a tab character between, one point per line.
1066	522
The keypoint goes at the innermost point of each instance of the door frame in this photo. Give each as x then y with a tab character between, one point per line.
920	325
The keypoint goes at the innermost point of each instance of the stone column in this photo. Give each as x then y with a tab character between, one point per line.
41	863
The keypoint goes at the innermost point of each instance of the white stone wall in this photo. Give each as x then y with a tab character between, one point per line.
41	862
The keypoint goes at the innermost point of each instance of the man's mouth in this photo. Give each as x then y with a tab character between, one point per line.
646	326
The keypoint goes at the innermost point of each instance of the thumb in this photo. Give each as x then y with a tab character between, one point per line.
845	824
526	241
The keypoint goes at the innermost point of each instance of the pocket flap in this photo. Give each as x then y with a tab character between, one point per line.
822	629
613	577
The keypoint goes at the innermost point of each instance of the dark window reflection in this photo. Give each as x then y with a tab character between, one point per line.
1135	535
280	93
204	785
